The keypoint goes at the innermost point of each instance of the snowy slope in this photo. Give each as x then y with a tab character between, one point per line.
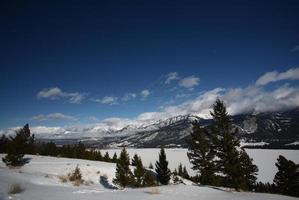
37	185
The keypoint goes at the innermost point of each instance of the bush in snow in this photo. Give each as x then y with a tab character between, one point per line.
15	189
76	177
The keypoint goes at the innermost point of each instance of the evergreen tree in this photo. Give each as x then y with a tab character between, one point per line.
106	157
139	172
163	173
180	169
114	158
98	156
19	145
79	150
123	174
249	171
201	155
175	172
185	173
287	177
3	144
135	160
226	146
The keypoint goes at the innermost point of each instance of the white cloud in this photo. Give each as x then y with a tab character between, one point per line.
110	100
50	93
129	96
56	93
274	76
144	94
172	76
189	82
53	116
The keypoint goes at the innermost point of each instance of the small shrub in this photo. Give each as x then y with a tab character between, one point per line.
75	175
15	189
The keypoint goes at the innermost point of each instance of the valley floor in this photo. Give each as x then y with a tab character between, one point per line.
40	180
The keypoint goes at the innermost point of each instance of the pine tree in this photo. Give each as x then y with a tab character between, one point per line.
106	157
175	172
98	155
139	172
114	158
163	173
226	146
135	160
185	173
123	174
19	145
249	171
201	155
3	144
287	177
180	169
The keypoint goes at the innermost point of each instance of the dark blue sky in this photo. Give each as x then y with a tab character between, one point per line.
96	49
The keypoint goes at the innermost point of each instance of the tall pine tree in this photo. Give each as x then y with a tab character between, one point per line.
163	173
249	171
287	178
201	155
123	174
139	172
227	145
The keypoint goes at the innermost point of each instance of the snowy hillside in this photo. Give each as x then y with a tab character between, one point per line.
39	179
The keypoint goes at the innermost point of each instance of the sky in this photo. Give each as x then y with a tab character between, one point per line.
67	63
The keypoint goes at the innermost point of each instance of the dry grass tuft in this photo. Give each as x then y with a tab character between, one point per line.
155	191
62	179
77	182
15	188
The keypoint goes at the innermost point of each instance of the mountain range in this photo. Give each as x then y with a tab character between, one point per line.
270	127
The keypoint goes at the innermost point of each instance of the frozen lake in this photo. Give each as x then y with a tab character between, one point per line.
265	159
